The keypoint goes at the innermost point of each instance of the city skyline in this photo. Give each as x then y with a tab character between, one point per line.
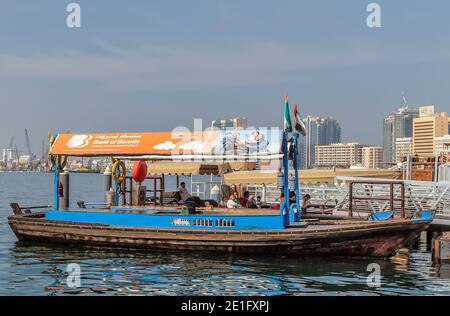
227	59
37	144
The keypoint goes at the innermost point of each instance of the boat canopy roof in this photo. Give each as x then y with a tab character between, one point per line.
234	145
197	168
313	176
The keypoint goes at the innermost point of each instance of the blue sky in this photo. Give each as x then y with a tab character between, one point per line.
154	65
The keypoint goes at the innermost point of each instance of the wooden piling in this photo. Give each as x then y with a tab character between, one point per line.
440	248
65	198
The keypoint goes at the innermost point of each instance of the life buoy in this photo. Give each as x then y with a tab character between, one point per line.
119	172
139	171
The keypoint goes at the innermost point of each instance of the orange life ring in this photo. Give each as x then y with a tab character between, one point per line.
139	171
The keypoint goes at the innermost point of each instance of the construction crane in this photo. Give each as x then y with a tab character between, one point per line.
27	139
11	143
405	103
17	156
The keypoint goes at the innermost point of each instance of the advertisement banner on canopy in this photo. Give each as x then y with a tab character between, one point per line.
214	143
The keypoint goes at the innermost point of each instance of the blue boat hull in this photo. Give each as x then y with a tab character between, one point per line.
353	239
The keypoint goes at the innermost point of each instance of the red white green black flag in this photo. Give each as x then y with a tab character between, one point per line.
299	125
287	116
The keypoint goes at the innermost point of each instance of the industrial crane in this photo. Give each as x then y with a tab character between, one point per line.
30	155
27	139
17	157
11	143
405	103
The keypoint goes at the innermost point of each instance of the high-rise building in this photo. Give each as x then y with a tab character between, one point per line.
7	155
398	124
338	155
230	123
372	157
403	148
426	129
329	132
308	143
319	131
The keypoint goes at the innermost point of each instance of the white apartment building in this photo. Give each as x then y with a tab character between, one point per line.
372	157
442	144
403	148
338	155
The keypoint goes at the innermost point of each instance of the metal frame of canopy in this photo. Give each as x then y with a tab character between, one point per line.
286	209
309	176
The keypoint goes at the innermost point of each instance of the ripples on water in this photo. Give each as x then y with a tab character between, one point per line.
40	269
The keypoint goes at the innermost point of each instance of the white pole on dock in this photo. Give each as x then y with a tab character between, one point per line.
65	181
107	175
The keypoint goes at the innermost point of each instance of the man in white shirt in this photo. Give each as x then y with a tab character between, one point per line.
231	203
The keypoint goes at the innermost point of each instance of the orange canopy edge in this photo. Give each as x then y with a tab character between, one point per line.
133	144
154	145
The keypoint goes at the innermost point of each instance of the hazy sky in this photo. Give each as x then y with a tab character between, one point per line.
153	65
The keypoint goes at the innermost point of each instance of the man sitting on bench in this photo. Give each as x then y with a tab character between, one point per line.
187	197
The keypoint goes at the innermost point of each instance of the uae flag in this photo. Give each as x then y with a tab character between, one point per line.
299	125
287	116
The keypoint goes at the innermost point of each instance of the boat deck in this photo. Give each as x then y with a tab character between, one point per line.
181	210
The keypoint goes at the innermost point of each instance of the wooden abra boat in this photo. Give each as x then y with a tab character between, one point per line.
140	225
342	238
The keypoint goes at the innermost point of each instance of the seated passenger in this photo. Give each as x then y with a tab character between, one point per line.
292	197
305	203
243	200
232	203
251	203
186	196
259	203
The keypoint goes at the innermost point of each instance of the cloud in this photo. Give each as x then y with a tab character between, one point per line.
195	145
168	68
165	146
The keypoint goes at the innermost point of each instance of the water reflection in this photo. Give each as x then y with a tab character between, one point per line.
38	269
117	272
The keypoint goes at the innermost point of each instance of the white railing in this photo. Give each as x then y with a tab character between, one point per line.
268	193
419	195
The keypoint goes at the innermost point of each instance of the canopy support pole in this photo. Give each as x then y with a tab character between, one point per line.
56	186
297	214
284	207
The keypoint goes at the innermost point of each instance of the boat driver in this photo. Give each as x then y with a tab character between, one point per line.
186	196
305	203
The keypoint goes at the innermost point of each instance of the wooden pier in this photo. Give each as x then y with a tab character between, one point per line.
440	248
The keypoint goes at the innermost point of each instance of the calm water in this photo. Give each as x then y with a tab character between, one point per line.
36	269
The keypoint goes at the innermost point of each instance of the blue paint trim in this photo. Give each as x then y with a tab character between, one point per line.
381	216
297	215
116	194
203	221
284	207
423	217
56	181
